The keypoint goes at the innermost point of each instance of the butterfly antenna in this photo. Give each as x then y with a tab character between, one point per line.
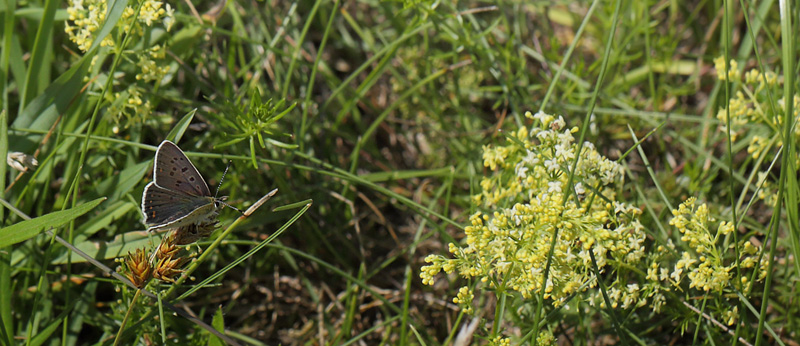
223	179
220	200
230	206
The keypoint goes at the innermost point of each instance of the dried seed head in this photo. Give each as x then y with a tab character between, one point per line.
168	247
168	268
139	269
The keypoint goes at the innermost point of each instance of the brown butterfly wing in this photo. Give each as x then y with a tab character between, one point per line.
163	207
173	171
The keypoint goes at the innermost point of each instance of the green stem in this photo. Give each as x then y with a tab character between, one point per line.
498	312
127	317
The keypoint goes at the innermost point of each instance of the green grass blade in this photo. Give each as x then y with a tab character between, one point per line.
27	229
180	127
218	322
120	246
38	68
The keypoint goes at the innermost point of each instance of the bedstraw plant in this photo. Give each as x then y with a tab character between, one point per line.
525	207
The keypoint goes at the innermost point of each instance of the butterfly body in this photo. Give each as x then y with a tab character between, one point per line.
178	195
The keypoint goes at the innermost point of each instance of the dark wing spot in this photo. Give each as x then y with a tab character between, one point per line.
191	179
184	169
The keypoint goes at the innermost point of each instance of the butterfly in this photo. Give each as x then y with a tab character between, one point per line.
178	195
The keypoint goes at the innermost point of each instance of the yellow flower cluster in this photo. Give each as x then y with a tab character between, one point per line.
749	106
730	74
752	115
500	341
151	12
464	299
152	65
527	201
128	105
88	16
704	265
545	338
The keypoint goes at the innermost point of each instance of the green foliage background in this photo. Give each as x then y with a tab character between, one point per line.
377	111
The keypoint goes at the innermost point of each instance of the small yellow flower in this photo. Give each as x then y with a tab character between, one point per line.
731	74
169	17
500	341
